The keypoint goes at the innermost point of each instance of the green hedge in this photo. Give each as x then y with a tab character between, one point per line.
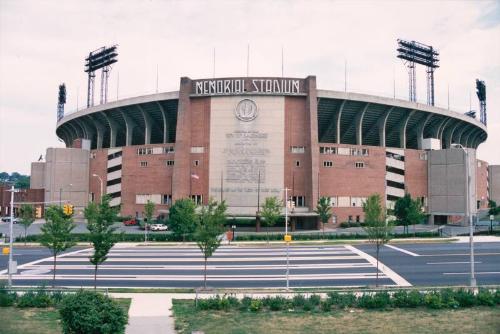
136	237
439	299
329	236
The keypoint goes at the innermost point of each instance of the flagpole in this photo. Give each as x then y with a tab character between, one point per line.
221	186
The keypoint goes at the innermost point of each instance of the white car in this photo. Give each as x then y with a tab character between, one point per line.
7	220
159	227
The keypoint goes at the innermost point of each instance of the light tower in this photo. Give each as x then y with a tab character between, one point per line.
61	101
481	95
101	58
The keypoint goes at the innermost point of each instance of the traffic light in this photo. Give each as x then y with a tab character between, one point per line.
66	209
38	212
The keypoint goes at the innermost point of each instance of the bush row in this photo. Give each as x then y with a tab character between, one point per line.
329	236
138	237
439	299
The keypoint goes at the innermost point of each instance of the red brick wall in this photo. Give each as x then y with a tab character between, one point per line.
343	179
98	165
482	183
296	178
415	173
200	136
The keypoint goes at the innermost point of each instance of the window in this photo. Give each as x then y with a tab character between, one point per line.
359	164
343	202
300	201
169	149
297	149
197	149
395	184
167	199
327	163
328	150
144	164
196	163
357	219
333	201
144	198
144	150
357	201
92	155
423	156
350	219
395	156
92	197
334	220
297	163
359	151
170	162
114	155
395	170
197	199
343	151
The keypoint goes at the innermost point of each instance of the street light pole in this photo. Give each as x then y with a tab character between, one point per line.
468	214
11	263
287	243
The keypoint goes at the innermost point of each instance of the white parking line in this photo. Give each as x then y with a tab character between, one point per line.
452	262
383	268
402	250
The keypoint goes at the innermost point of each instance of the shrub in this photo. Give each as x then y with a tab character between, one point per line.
245	303
485	297
465	298
314	299
448	298
326	305
415	299
433	300
497	297
40	298
308	306
378	300
342	300
6	298
277	303
298	301
91	312
255	305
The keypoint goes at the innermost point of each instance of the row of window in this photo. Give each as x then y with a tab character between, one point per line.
347	201
357	164
155	150
196	163
343	151
155	198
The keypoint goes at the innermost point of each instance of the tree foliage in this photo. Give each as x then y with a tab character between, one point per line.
149	209
182	218
323	209
209	229
271	212
408	211
100	220
56	233
27	215
376	227
493	208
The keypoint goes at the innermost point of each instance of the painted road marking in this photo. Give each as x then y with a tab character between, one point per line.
465	262
386	270
476	273
402	250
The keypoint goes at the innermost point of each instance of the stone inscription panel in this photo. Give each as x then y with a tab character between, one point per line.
246	158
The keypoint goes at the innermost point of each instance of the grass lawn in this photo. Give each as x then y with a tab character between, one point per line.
15	320
401	321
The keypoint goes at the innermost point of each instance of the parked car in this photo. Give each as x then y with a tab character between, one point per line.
7	220
130	222
159	227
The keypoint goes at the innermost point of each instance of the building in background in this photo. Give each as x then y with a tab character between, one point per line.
244	139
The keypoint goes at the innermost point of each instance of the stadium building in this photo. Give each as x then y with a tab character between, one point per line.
244	139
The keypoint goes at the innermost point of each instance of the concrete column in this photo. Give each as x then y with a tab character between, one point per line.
113	130
100	132
337	121
359	125
148	124
382	121
420	130
312	112
402	129
130	125
164	117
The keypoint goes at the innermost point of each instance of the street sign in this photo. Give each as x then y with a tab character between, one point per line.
492	217
5	251
13	267
288	237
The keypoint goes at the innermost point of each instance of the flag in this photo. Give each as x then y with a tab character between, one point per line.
194	176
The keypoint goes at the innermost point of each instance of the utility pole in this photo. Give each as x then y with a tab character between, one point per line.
12	268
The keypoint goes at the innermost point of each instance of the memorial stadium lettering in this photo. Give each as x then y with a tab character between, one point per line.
248	86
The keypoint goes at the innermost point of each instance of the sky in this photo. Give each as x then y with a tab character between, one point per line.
44	43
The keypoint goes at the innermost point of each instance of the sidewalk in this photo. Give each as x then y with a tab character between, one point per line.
149	313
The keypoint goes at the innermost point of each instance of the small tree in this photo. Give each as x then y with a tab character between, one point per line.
271	212
408	211
209	229
493	208
323	209
182	218
27	215
100	219
149	209
376	226
56	234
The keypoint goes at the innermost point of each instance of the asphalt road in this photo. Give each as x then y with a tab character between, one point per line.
262	266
